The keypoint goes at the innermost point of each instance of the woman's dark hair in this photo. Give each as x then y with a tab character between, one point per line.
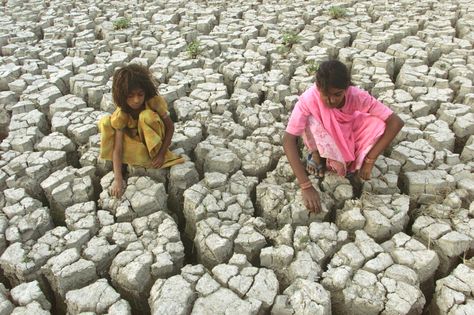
333	74
129	78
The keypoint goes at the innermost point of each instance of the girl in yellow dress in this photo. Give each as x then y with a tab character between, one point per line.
139	131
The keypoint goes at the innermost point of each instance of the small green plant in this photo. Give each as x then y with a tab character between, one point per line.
27	259
311	67
121	23
290	38
194	49
337	12
304	239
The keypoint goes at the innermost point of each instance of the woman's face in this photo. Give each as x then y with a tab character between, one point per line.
334	97
136	98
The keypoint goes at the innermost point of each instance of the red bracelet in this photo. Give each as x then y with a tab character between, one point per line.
306	185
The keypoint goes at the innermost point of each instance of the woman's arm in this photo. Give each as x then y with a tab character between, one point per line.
117	186
393	126
169	130
310	195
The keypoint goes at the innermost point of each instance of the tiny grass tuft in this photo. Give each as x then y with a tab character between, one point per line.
337	12
194	49
121	23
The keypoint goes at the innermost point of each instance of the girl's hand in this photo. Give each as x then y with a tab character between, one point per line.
366	170
311	199
116	189
158	160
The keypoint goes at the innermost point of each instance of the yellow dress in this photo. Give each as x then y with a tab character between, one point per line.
142	138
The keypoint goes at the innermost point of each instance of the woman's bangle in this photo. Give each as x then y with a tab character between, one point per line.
369	160
306	185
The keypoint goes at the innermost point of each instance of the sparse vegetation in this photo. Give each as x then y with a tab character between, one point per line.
194	49
303	241
121	23
288	40
311	67
337	12
27	259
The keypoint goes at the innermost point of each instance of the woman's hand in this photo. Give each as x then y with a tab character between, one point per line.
366	170
158	160
311	199
309	194
116	189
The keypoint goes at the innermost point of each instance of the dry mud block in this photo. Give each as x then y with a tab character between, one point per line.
384	177
447	228
67	187
427	185
380	216
218	195
68	271
233	288
98	298
142	196
366	279
304	253
25	131
25	218
24	299
283	204
27	170
303	297
410	252
151	249
56	141
455	293
77	125
21	262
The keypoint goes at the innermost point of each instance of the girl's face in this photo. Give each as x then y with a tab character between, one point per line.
136	98
334	97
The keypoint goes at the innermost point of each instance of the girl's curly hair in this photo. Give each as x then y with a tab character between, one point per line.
131	77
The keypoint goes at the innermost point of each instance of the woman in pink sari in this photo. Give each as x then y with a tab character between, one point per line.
343	127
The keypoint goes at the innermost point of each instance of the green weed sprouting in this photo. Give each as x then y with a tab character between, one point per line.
194	49
288	40
337	12
121	23
303	241
311	67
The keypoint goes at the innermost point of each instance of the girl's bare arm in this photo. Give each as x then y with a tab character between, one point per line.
310	195
169	130
393	126
117	164
291	151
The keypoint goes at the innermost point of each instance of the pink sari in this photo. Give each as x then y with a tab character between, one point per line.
343	136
